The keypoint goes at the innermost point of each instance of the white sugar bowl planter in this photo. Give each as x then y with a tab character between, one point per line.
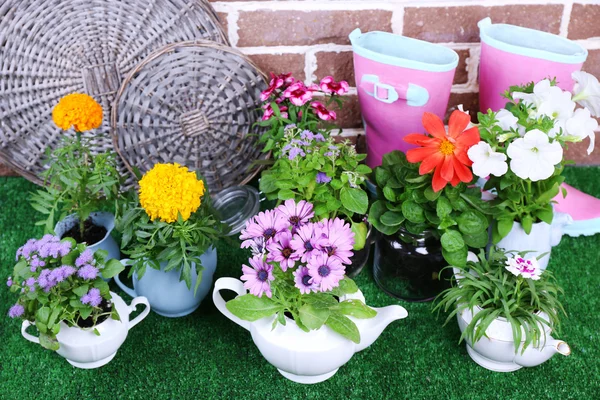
83	348
307	357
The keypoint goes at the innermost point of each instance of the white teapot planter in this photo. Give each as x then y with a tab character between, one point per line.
307	357
83	348
496	350
540	240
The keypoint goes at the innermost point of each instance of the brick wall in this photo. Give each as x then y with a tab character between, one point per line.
310	37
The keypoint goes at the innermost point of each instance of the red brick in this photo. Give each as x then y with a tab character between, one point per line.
281	63
6	170
459	24
592	64
223	19
340	65
584	21
462	75
349	115
470	102
578	153
274	28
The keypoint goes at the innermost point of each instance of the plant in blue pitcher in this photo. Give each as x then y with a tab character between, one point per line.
171	228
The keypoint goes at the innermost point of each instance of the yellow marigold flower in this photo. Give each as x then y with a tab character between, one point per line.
168	189
78	110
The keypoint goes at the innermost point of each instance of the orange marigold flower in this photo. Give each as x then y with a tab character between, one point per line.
78	110
443	152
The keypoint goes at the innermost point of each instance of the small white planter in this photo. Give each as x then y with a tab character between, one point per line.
307	357
540	240
496	351
83	348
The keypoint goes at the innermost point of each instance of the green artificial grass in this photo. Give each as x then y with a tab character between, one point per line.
206	356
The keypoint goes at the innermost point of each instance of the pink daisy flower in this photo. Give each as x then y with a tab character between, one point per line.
326	272
328	85
297	214
266	225
323	112
307	241
257	279
298	93
304	281
338	239
280	250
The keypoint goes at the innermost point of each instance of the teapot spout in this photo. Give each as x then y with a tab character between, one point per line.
372	328
532	356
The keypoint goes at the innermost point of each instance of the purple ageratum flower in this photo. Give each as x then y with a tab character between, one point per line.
16	311
323	178
319	137
64	248
304	281
257	279
297	214
280	250
50	247
85	258
289	126
30	282
46	280
339	239
67	271
88	272
295	152
29	247
266	225
9	282
306	241
307	135
327	272
92	297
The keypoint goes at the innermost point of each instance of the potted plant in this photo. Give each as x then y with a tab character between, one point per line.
79	184
327	174
428	215
521	154
170	227
506	307
305	316
288	101
62	293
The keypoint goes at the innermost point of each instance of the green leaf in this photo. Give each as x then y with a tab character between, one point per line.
81	290
312	316
527	223
49	342
430	194
478	240
375	212
548	195
42	315
545	214
363	169
360	234
21	268
251	308
112	268
267	183
389	193
456	258
285	194
452	241
392	158
344	326
355	200
85	312
357	309
346	286
504	226
382	176
471	222
392	218
443	207
413	212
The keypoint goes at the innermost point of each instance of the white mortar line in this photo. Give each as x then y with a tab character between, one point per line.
331	47
232	27
310	67
566	18
398	21
473	67
590	44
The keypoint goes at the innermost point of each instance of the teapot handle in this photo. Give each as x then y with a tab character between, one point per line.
236	286
26	324
144	314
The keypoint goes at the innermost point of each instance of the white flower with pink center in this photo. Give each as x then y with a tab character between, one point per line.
527	268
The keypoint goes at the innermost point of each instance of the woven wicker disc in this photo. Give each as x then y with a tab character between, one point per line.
193	103
50	48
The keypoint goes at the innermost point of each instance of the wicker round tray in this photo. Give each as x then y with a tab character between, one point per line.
50	48
193	103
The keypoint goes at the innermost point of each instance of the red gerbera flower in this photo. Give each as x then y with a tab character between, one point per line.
443	152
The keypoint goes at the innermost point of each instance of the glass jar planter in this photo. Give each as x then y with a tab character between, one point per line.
360	257
407	266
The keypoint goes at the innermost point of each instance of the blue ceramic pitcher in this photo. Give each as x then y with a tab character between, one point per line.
167	295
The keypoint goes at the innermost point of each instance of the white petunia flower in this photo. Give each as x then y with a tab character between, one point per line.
580	126
506	120
487	161
587	91
527	268
533	156
548	100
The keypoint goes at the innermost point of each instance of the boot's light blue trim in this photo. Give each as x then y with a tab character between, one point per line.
531	43
402	51
586	227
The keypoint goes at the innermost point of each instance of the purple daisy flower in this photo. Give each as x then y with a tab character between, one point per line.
304	281
88	272
257	279
297	214
280	250
92	297
266	225
327	272
84	258
323	178
339	239
16	311
306	241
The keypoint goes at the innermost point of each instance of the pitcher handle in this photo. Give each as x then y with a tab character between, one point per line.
144	314
131	292
236	286
26	324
